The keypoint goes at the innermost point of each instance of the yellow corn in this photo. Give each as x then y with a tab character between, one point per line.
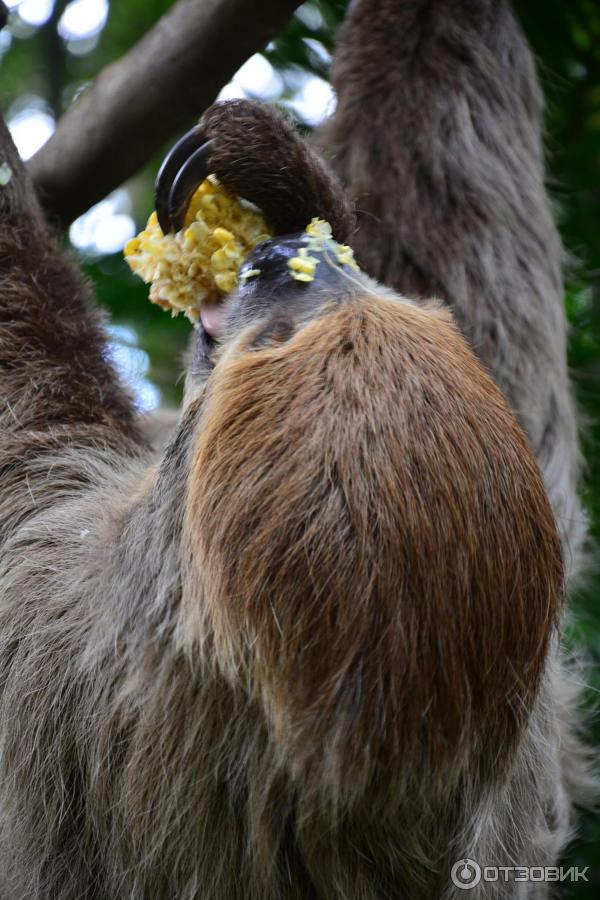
318	239
201	262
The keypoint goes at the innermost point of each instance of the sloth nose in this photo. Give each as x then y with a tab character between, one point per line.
212	317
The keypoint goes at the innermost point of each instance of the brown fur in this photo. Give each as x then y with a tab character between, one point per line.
260	156
345	492
53	351
309	651
437	137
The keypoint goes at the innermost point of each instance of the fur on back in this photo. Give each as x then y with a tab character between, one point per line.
346	491
229	675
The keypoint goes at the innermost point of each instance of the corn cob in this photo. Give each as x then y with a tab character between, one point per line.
200	263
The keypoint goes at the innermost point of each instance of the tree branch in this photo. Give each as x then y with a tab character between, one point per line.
54	58
136	104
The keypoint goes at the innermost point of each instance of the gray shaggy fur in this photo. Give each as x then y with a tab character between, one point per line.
130	768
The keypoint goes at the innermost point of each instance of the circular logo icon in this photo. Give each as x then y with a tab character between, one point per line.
465	874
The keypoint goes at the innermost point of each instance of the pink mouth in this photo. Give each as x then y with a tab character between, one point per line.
212	316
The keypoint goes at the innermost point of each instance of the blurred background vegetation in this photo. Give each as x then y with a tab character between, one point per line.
54	48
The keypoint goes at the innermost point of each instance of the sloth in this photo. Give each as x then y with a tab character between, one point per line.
308	650
437	137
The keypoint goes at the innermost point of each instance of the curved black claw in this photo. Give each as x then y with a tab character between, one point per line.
184	168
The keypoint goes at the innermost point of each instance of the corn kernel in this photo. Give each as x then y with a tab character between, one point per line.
226	281
303	276
319	228
223	236
306	265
